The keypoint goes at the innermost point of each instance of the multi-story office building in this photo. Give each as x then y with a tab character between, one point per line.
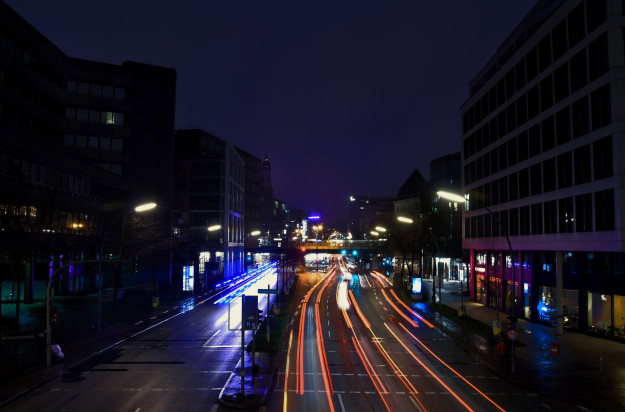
81	142
543	166
209	208
367	212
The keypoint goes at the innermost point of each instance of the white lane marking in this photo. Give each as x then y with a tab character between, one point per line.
415	404
215	407
341	402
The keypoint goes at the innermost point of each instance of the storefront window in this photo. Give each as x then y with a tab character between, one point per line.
480	290
546	303
494	295
619	316
570	308
599	313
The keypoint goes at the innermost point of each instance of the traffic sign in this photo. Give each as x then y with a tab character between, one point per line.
270	291
512	335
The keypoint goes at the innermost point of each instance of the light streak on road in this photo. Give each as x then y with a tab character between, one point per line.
379	387
341	296
381	278
358	311
412	322
453	393
421	318
323	360
402	376
454	371
286	375
299	365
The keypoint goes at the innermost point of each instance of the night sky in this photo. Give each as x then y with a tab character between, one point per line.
344	97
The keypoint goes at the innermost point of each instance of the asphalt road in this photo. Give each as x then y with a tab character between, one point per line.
354	347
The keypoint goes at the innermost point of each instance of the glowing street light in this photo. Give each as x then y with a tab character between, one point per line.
451	196
404	219
254	233
374	233
214	228
145	207
380	229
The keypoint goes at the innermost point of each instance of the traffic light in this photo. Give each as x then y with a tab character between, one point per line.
260	316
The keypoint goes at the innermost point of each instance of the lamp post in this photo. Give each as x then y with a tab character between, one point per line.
458	198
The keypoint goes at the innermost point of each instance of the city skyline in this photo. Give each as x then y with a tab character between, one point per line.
344	99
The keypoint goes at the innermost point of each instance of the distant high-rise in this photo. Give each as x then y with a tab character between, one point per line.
543	164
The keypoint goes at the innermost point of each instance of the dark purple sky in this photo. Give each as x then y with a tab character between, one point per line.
345	97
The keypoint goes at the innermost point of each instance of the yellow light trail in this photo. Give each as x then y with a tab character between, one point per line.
286	375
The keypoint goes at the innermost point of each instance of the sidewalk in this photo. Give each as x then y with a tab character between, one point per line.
76	332
589	371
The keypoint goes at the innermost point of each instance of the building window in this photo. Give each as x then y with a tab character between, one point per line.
576	27
601	109
549	175
494	192
533	105
563	125
598	57
523	146
583	213
512	151
503	156
519	74
597	13
544	53
546	93
581	157
558	35
547	134
513	186
602	158
531	64
524	181
580	117
536	179
534	140
524	219
503	189
561	82
70	113
565	170
551	217
579	75
604	210
514	222
537	219
566	218
521	110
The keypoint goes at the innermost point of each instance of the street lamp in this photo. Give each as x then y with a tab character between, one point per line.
458	198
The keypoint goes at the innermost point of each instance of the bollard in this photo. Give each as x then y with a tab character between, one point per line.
600	365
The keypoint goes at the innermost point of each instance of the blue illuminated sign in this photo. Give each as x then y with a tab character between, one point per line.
416	285
187	278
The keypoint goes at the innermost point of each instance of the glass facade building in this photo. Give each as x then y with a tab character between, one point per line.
543	162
